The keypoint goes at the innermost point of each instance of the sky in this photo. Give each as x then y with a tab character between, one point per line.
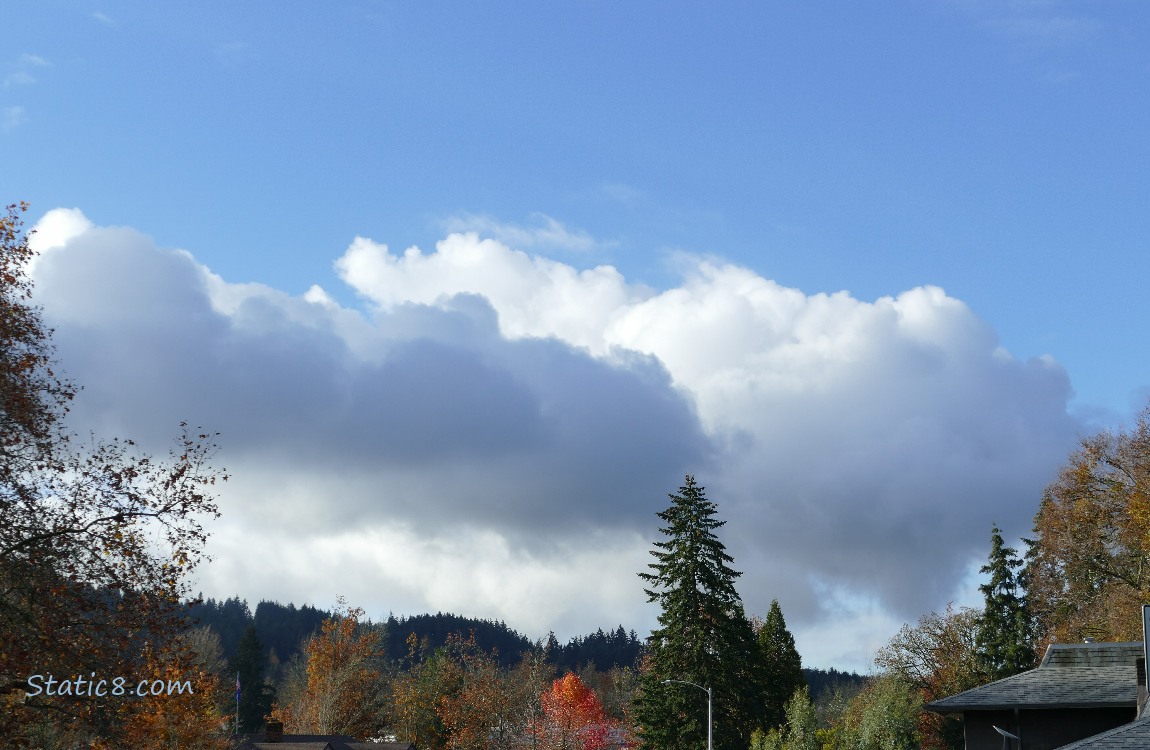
467	289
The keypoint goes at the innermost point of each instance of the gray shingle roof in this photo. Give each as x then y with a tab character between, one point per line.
1050	687
298	742
1132	736
1071	675
1060	655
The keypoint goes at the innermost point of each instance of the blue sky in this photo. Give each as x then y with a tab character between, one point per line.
816	172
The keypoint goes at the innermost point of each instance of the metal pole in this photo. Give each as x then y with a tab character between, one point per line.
710	722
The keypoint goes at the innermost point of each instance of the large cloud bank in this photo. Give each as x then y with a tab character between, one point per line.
494	432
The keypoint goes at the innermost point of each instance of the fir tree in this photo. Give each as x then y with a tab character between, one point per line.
703	636
256	697
1005	634
784	668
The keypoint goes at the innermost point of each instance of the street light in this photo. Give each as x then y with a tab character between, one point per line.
708	691
1005	735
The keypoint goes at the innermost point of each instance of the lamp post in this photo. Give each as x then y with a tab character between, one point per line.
1005	735
708	691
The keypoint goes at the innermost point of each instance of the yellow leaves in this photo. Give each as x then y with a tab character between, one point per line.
1093	539
183	714
340	677
84	544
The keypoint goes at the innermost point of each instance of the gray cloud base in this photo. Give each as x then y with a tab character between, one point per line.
530	435
866	472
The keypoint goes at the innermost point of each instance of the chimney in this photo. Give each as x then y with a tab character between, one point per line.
274	731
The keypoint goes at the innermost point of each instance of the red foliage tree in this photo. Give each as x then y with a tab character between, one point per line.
573	717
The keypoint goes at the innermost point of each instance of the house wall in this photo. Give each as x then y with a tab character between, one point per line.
1041	729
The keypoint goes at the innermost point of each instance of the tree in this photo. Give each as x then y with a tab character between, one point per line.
475	706
703	637
1004	641
339	693
96	539
802	722
884	716
573	717
784	668
799	729
937	657
184	718
1088	567
33	398
416	696
459	697
256	697
615	689
526	684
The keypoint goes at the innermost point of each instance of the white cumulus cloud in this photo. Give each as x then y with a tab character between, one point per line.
495	434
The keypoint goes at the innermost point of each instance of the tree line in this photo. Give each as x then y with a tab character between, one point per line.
606	663
283	628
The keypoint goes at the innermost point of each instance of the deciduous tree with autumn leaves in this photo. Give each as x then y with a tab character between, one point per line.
1088	568
96	542
337	689
573	717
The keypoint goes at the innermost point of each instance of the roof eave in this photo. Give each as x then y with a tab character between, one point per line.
952	709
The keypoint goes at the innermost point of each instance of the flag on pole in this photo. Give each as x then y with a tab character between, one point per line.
237	686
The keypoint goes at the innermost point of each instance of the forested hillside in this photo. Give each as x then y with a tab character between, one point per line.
282	628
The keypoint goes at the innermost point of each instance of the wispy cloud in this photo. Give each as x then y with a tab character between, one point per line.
11	118
234	54
18	78
103	18
1046	31
1033	23
620	193
21	75
34	61
545	233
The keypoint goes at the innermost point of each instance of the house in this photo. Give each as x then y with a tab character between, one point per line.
1078	694
1132	736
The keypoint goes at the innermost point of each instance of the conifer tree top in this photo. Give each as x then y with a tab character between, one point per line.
703	637
1005	637
692	557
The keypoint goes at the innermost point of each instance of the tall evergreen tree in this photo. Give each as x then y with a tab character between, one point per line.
784	667
1005	641
703	636
256	697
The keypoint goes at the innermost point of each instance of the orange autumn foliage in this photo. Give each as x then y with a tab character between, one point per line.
342	680
475	706
1090	562
184	715
573	717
